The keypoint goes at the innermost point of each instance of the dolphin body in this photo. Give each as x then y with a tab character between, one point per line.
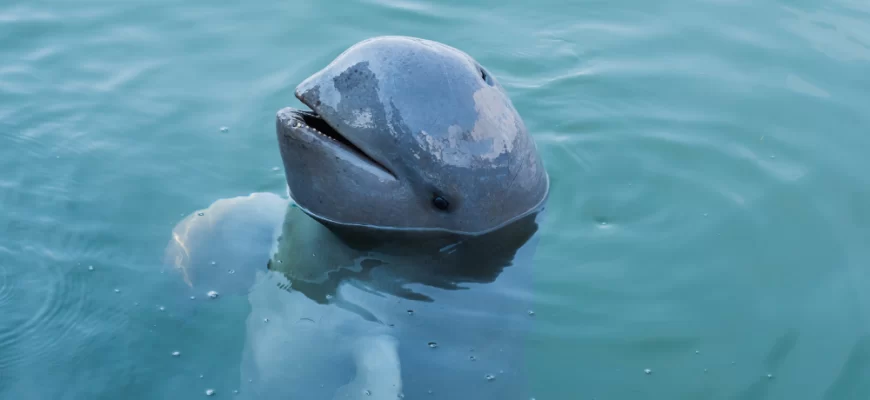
414	186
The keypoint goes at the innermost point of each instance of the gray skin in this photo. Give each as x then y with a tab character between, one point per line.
424	120
414	186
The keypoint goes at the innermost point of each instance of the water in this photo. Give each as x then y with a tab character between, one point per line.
708	159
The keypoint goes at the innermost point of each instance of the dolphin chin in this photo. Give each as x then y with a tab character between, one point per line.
409	134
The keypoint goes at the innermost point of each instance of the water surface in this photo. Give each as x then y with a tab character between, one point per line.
709	217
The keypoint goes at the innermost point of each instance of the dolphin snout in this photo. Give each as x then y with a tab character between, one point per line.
306	92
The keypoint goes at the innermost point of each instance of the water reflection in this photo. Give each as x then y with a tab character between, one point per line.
389	262
342	311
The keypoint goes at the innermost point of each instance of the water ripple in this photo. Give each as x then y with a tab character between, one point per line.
23	14
838	36
6	287
447	13
43	315
121	76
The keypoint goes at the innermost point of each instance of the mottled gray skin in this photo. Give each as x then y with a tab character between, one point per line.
435	122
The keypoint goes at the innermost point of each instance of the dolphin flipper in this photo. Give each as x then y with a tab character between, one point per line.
378	370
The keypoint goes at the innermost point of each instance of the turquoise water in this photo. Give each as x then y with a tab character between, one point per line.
709	217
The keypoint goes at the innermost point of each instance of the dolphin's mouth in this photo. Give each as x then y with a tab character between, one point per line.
312	122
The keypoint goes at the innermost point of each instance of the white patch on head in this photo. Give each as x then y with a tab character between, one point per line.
447	149
496	128
362	119
493	124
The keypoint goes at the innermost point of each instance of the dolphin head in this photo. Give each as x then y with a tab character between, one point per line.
409	134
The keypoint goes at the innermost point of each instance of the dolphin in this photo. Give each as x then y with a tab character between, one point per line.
413	186
413	135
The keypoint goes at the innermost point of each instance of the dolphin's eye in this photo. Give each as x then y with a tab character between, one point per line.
440	203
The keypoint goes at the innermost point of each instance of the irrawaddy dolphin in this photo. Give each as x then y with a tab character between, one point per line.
400	266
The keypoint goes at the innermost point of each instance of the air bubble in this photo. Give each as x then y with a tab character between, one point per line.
232	271
176	353
212	294
117	290
367	392
265	319
489	377
161	308
225	129
200	214
410	312
209	392
433	345
769	376
276	169
193	297
90	267
531	313
647	371
214	263
472	358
